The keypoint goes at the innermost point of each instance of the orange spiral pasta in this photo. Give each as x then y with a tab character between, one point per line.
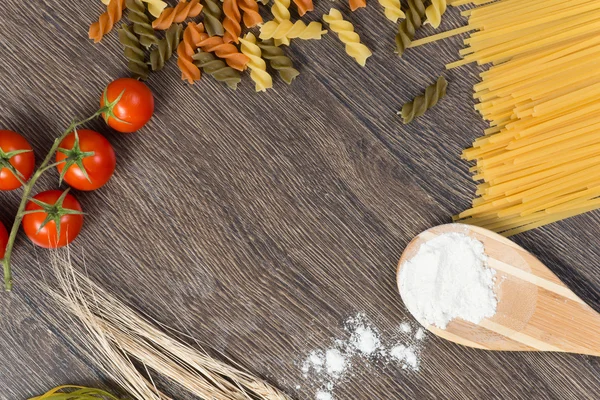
304	6
226	51
113	14
179	13
231	22
186	49
251	15
356	4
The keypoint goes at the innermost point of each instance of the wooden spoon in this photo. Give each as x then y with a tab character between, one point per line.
536	311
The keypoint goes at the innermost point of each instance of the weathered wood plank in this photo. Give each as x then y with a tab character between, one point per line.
259	222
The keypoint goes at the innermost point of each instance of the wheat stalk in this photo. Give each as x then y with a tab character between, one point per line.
113	327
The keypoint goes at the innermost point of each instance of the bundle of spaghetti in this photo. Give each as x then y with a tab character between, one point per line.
539	161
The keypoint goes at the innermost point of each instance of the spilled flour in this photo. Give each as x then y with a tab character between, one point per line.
325	369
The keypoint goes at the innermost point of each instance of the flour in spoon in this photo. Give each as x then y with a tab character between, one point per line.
449	278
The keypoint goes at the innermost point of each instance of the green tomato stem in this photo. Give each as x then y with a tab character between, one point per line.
27	188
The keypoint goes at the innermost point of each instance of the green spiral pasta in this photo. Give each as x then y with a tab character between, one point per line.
165	48
408	27
141	23
217	68
213	15
422	103
278	60
134	52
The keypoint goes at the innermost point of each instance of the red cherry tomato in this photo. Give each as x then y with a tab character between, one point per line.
24	163
133	110
3	239
99	167
70	224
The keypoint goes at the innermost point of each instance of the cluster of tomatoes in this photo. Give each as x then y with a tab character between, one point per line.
85	160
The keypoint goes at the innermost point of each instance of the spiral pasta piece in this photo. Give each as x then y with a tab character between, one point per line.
251	15
434	12
217	68
133	52
155	7
288	30
183	10
141	22
422	103
346	33
212	17
258	67
186	49
392	9
231	22
165	48
226	51
278	60
106	21
281	12
408	27
356	4
304	6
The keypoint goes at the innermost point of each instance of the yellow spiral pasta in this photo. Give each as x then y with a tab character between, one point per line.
281	12
155	7
345	31
434	12
257	65
392	9
291	30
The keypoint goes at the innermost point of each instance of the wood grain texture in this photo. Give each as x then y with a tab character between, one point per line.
259	222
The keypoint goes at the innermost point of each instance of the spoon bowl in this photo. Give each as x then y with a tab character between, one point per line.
535	311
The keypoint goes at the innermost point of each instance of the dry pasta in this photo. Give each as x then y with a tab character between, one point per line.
278	60
281	12
356	4
106	21
392	9
179	13
213	17
304	6
291	30
251	16
345	31
155	7
258	67
134	52
420	104
217	68
141	22
226	51
538	162
186	49
231	21
434	12
408	27
165	48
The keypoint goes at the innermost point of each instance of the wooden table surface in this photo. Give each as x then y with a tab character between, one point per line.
259	222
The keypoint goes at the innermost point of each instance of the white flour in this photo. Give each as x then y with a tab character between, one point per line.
448	278
324	369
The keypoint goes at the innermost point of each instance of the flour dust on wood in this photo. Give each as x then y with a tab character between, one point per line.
326	369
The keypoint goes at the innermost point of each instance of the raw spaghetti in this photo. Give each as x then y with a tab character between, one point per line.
539	161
